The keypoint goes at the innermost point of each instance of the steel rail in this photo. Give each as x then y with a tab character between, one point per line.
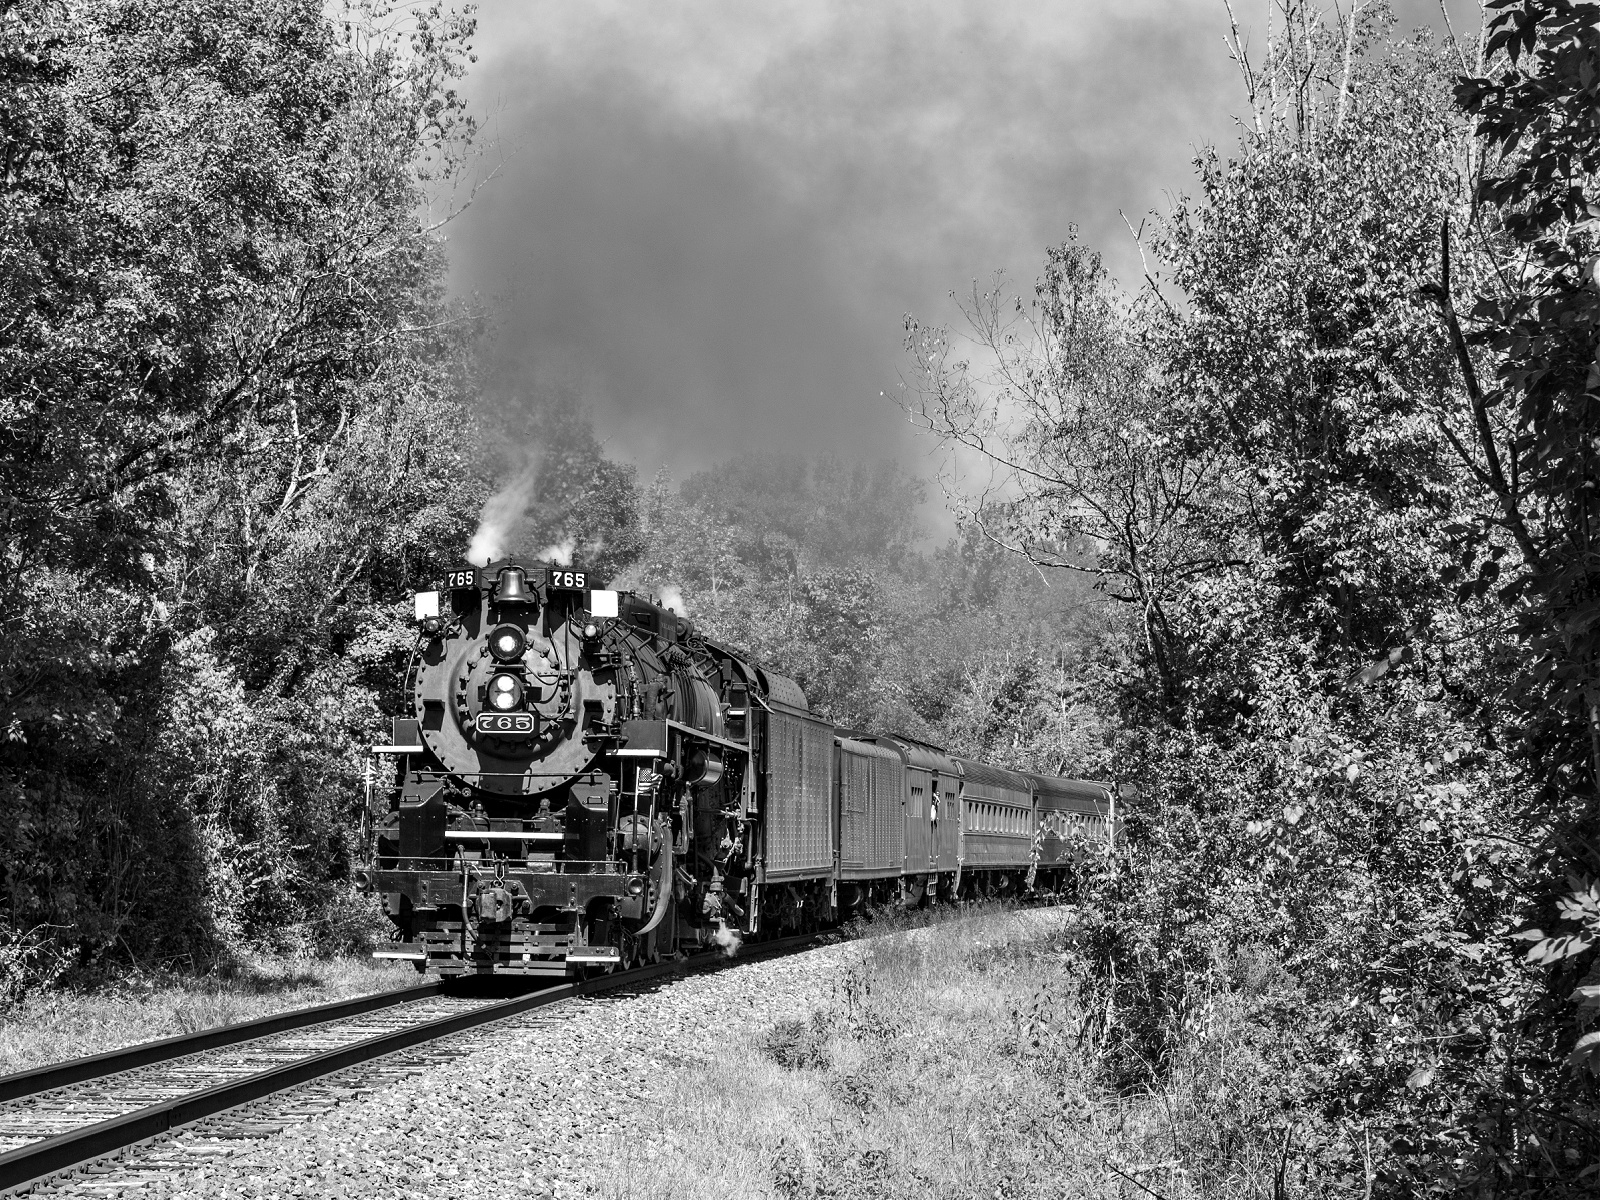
29	1164
144	1054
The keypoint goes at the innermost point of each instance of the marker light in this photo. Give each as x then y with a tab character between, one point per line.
505	693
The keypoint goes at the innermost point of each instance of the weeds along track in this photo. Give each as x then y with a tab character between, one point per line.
64	1118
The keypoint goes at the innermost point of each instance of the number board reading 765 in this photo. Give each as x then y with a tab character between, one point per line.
566	580
555	578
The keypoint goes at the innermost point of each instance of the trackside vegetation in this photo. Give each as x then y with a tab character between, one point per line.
1336	459
232	426
962	1059
1295	544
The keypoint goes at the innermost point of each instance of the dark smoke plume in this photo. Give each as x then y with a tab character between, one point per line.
717	213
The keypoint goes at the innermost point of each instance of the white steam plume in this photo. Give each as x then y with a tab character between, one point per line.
560	554
672	597
500	512
729	939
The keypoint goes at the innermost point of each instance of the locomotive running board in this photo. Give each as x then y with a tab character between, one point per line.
411	953
656	732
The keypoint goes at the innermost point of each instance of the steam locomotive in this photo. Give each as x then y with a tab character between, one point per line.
581	781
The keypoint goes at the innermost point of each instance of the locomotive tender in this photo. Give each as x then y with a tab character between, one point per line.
583	782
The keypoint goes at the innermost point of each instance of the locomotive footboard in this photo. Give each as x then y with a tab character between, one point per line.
518	921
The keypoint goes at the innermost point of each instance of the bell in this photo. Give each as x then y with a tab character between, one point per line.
512	588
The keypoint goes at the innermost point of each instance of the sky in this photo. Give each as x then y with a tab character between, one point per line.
711	218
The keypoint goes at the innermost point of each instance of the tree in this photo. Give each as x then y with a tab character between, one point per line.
1067	410
231	428
1537	320
812	568
557	494
1322	787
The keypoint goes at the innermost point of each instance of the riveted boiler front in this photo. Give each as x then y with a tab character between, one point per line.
506	692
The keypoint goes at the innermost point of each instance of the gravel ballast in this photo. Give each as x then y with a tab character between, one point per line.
521	1108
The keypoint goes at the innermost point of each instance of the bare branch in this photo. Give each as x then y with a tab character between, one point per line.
1344	76
1493	472
1451	30
1240	55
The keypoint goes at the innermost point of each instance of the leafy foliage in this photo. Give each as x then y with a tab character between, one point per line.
1538	322
815	568
557	495
1065	398
1383	652
232	433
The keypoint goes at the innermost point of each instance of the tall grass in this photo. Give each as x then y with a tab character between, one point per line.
960	1061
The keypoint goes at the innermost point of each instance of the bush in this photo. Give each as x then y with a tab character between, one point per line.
30	960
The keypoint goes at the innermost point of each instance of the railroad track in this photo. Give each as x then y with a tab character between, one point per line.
64	1118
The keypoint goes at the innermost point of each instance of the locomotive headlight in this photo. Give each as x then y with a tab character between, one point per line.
506	643
505	693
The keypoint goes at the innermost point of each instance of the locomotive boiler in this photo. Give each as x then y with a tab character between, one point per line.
581	781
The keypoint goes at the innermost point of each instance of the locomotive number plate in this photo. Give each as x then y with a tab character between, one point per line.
460	579
518	724
564	580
